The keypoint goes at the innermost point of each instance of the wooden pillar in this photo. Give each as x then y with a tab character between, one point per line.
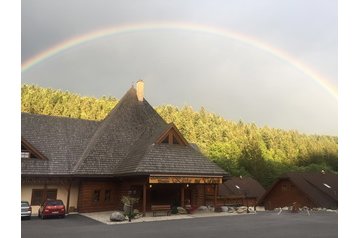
205	203
182	203
68	197
215	195
144	199
44	196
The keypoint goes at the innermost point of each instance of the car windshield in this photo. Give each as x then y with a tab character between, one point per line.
54	203
24	204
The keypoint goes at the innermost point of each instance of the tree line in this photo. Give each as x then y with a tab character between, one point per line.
240	148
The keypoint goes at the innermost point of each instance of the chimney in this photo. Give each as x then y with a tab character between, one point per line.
140	90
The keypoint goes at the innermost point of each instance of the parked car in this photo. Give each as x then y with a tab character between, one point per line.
26	210
51	208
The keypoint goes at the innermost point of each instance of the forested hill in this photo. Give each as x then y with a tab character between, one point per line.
240	148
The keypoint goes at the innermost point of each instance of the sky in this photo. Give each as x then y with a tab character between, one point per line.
224	69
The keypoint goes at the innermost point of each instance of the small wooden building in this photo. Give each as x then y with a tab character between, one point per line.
310	189
244	191
90	165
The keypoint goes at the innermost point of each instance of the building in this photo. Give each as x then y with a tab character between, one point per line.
310	189
90	165
244	191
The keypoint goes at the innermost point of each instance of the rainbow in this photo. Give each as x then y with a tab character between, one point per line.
249	40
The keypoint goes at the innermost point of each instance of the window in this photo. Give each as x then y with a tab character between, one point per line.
95	197
107	196
286	187
25	155
166	140
171	137
210	190
37	196
40	195
51	194
175	140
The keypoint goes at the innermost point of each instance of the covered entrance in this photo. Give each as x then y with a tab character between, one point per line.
178	190
164	194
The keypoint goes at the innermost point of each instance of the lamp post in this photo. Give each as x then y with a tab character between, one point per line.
245	196
244	191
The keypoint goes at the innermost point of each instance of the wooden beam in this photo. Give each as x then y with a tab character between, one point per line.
215	195
68	197
182	190
144	199
170	137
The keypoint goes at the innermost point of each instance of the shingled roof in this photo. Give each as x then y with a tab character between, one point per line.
124	143
60	140
321	188
241	187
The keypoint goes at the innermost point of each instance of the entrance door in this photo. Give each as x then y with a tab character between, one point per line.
165	194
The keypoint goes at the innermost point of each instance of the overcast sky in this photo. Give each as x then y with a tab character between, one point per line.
227	77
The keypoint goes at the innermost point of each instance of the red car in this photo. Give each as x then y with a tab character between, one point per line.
52	208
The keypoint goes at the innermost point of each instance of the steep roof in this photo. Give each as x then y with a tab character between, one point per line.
321	188
241	187
129	121
124	143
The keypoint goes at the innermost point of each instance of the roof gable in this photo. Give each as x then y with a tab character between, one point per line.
31	149
172	136
114	139
312	184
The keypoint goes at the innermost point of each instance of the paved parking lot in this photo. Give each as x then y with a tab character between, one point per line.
263	224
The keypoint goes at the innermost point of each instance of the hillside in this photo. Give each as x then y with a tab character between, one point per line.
238	147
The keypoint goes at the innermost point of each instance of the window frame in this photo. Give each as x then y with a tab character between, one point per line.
37	201
96	198
107	195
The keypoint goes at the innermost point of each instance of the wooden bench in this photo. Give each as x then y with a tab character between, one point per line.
161	208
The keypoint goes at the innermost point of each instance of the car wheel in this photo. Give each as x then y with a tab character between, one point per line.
29	218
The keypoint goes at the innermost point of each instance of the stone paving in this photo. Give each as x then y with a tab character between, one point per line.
104	216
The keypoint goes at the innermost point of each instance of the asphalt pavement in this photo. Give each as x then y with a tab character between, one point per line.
262	224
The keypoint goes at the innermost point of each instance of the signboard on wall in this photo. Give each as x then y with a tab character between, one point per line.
185	179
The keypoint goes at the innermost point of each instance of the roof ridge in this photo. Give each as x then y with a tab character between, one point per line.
58	117
98	131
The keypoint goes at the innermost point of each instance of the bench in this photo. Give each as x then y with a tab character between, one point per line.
161	208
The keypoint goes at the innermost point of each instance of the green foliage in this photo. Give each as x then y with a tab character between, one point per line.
129	201
239	148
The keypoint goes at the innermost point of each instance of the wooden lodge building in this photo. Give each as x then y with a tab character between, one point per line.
242	191
90	165
310	189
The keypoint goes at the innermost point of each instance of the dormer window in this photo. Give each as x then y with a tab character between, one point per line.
175	140
172	137
25	153
166	140
30	152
